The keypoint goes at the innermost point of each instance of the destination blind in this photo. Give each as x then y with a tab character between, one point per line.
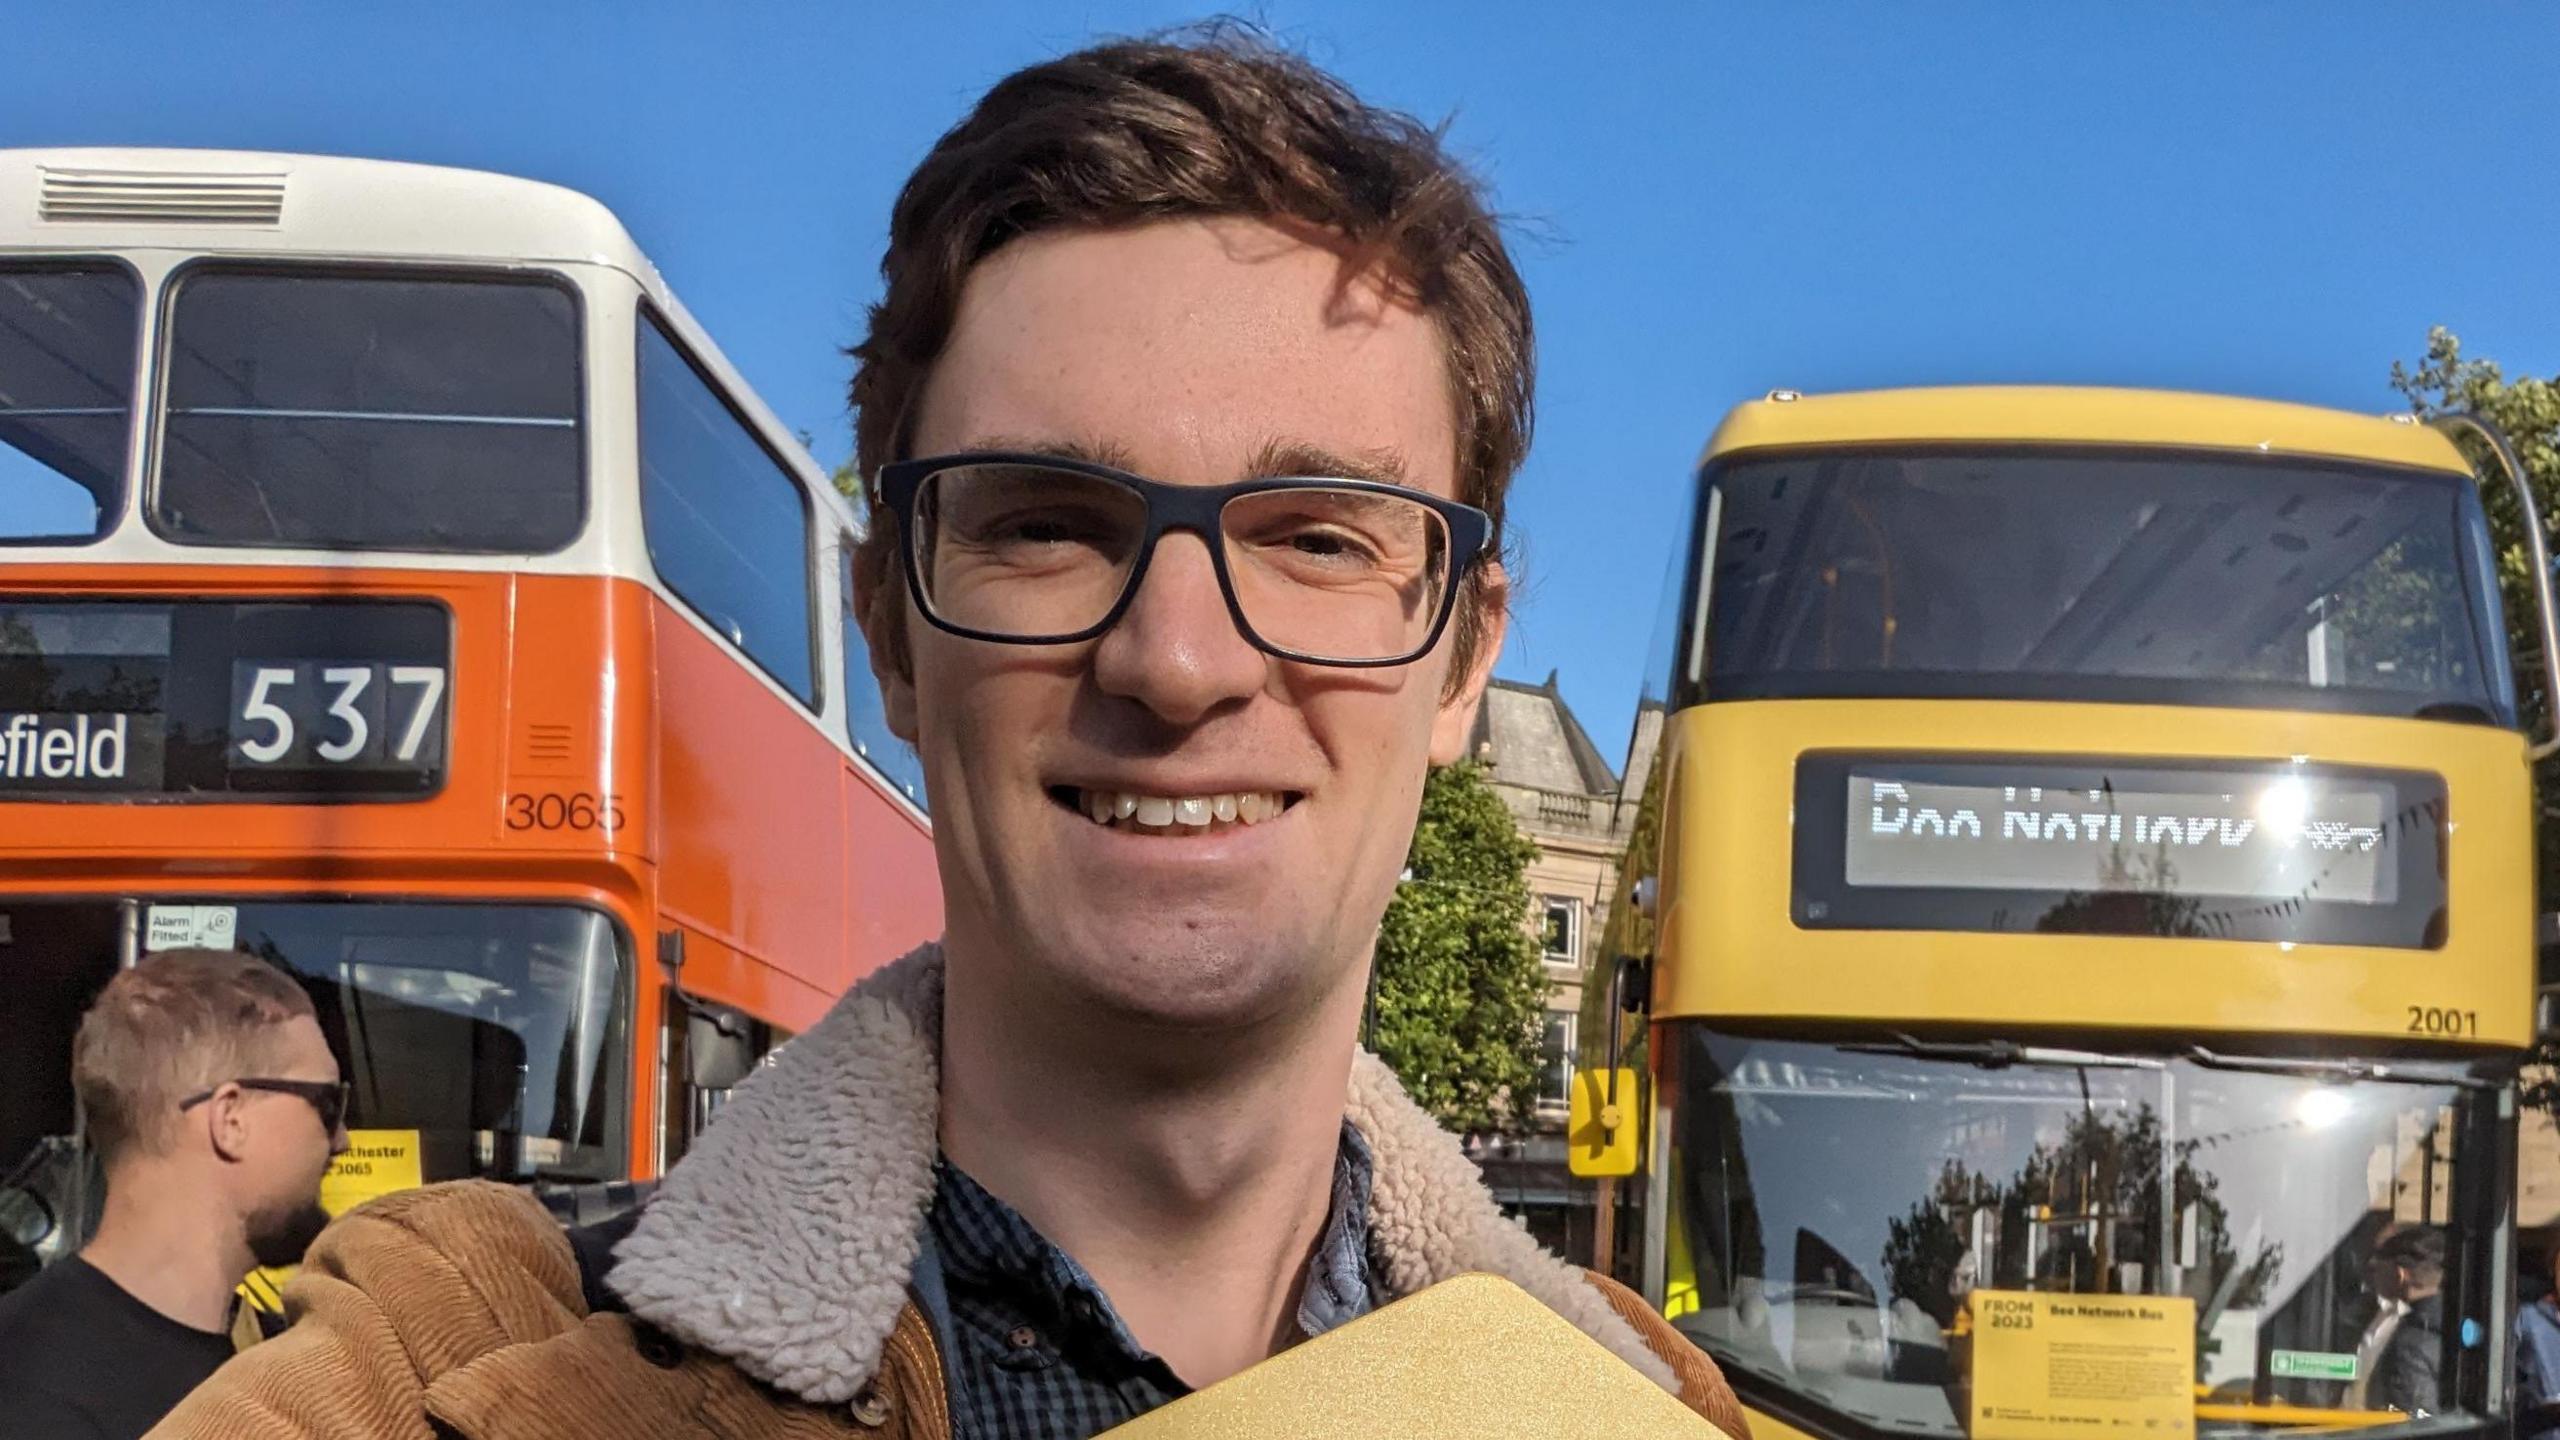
2140	846
106	699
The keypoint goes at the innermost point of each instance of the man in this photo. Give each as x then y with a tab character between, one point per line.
1189	410
2537	1337
214	1107
2407	1376
2401	1352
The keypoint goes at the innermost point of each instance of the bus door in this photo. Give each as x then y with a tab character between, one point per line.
54	958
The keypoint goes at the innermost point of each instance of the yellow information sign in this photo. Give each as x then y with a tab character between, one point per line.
376	1163
2097	1365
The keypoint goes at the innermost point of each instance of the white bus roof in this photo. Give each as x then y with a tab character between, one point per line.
252	202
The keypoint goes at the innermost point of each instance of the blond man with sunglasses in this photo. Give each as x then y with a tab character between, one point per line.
214	1107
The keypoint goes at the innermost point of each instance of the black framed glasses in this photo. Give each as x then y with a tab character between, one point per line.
329	1097
1025	549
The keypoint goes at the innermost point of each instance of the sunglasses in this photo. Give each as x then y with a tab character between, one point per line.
328	1097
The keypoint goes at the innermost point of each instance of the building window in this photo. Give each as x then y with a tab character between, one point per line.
1555	1062
1562	930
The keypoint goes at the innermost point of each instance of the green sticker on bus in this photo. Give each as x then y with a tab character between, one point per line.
2312	1365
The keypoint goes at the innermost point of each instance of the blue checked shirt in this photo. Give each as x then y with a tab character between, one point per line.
1031	1348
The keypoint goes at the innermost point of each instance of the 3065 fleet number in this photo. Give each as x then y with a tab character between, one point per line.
553	810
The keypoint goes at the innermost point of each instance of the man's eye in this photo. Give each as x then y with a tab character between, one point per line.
1331	544
1044	528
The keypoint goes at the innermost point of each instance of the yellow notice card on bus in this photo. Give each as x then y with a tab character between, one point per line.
377	1163
2099	1365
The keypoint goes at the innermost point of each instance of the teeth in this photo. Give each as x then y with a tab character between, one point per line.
1183	814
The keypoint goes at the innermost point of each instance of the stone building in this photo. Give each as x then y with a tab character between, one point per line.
1565	798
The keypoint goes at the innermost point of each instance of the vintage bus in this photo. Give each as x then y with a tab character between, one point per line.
396	583
2081	915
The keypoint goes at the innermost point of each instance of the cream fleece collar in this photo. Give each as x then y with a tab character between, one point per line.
785	1238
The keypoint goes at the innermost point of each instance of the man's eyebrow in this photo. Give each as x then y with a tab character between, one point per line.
1089	452
1290	459
1297	458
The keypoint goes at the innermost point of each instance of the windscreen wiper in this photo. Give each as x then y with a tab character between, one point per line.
2000	1054
2336	1070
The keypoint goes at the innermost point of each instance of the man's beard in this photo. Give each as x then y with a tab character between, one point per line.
278	1237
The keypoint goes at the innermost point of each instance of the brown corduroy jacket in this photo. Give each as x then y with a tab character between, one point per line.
763	1293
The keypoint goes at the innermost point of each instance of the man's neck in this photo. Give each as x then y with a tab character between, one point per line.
164	1245
1194	1196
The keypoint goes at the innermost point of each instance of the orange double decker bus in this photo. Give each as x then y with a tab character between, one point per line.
395	582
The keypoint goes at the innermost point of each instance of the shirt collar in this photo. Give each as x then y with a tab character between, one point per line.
983	1242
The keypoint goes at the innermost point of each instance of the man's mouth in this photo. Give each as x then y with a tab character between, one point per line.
1174	814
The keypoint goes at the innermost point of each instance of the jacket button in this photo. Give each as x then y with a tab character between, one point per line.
1023	1337
658	1348
870	1409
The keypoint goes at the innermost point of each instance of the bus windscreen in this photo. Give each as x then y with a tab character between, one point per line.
2125	575
371	411
67	335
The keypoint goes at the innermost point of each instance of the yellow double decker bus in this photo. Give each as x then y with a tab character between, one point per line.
2083	905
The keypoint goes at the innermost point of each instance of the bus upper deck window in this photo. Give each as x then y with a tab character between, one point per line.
2124	574
371	410
67	335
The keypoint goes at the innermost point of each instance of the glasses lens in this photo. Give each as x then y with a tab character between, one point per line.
1338	574
1024	551
333	1107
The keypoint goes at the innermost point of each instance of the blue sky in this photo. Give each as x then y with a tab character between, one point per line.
1715	199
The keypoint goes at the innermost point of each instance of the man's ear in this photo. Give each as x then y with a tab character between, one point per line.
880	605
1456	719
226	1122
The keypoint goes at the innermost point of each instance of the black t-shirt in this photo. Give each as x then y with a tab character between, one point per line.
80	1359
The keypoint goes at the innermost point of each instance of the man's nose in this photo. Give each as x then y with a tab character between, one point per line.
1177	649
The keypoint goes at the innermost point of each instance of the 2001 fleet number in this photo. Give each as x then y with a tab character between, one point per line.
555	811
2428	1020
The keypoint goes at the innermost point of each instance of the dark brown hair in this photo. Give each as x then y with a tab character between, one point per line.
1213	121
181	1022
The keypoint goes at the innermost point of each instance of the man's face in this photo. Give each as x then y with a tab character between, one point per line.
1193	353
2382	1277
286	1149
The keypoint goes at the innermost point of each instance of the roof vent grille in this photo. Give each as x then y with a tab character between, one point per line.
167	197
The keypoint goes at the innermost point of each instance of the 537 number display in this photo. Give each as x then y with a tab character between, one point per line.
310	715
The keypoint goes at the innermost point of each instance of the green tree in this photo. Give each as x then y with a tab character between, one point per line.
2528	410
1460	989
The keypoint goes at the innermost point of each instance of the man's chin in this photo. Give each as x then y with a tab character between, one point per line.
1192	979
278	1238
